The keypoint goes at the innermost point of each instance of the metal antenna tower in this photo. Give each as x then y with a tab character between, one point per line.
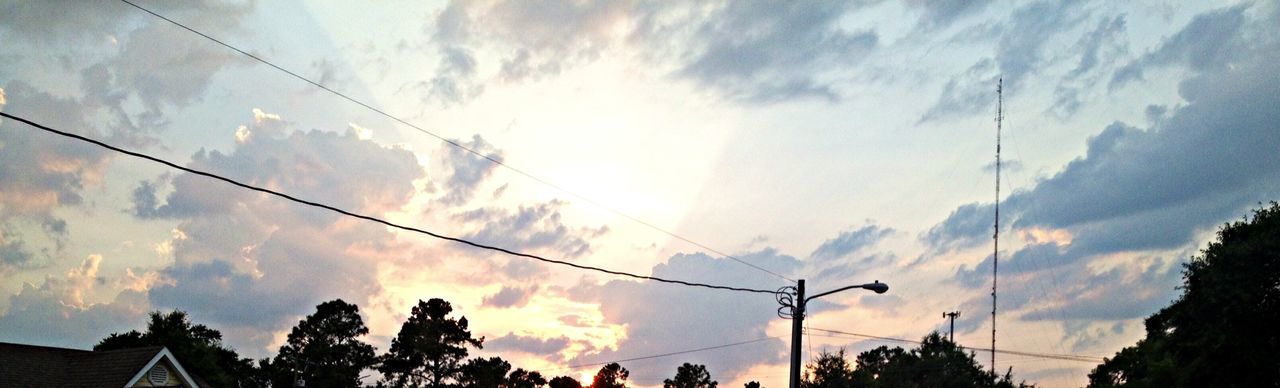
995	237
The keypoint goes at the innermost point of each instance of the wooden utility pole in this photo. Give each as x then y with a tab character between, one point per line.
953	316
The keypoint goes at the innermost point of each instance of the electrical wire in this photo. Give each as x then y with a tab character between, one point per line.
1063	357
371	218
456	144
670	354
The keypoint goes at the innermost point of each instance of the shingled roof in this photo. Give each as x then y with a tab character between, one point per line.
42	366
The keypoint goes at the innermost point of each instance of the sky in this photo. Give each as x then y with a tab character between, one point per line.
837	142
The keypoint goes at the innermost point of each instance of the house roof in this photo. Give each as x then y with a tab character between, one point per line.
42	366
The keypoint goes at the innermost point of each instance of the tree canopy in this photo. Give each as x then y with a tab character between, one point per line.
199	347
690	376
430	348
1221	332
324	349
612	375
521	378
564	382
936	362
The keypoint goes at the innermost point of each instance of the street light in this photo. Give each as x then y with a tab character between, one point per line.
796	306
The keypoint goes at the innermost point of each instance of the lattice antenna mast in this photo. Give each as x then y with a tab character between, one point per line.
995	237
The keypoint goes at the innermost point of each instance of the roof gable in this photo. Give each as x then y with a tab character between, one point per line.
164	354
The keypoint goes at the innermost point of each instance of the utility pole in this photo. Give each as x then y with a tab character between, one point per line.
793	303
953	316
797	324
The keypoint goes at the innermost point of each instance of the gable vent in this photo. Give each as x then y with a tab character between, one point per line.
158	375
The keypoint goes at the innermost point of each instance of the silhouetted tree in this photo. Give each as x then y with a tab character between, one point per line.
829	370
564	382
1221	332
324	349
937	362
751	384
690	376
521	378
484	373
198	347
429	348
611	376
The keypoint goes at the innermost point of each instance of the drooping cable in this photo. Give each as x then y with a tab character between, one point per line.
456	144
370	218
1064	357
670	354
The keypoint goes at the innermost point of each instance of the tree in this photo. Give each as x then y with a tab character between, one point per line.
830	370
429	348
611	376
521	378
751	384
690	376
937	362
198	347
564	382
1221	331
484	372
324	349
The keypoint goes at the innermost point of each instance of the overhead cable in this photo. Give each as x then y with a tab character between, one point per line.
670	354
455	143
371	218
1064	357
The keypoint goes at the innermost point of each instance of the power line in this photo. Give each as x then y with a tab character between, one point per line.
1064	357
670	354
456	144
371	218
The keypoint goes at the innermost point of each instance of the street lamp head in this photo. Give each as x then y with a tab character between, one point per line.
878	287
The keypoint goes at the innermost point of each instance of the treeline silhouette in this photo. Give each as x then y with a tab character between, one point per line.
432	348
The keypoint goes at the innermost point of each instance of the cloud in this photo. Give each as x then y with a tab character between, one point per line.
510	297
39	171
940	14
756	52
1018	55
529	228
1209	42
698	316
850	241
1092	296
253	263
1138	192
761	51
965	227
546	347
1099	48
57	313
467	170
